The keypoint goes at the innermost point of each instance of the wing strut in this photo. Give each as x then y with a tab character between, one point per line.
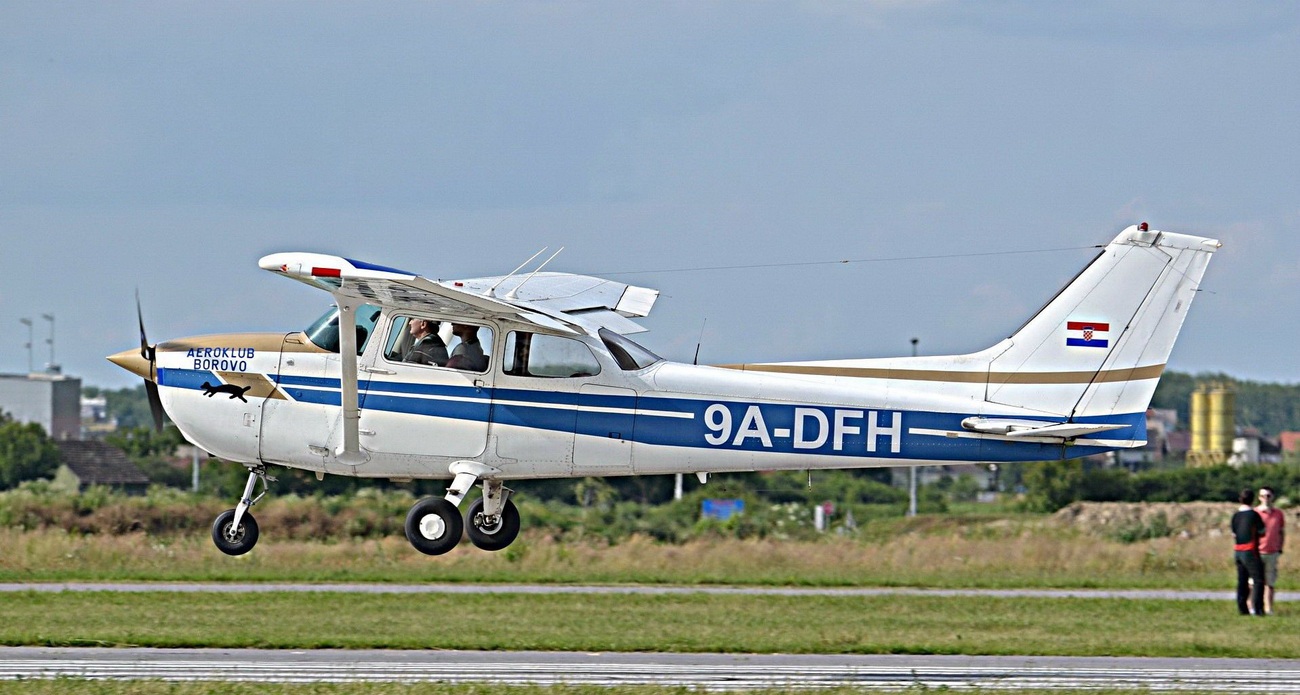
350	453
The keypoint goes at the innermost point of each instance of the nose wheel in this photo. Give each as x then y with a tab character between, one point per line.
235	530
234	539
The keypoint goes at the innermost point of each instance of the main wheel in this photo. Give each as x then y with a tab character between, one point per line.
242	540
492	533
434	526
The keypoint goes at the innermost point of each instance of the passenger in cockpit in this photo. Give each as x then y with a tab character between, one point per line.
428	347
467	355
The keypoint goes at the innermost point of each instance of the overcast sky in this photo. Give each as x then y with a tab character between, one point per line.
167	146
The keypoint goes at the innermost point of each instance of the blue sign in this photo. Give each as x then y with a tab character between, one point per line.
721	509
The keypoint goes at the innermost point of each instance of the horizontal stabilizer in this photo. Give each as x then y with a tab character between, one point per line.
1036	428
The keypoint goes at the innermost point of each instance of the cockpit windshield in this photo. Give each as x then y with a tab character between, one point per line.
629	355
324	331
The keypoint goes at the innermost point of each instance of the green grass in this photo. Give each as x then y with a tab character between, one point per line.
685	623
925	553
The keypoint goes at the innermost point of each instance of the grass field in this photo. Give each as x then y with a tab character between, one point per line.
924	552
682	623
920	553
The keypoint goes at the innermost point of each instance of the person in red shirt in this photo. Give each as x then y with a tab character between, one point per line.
1270	545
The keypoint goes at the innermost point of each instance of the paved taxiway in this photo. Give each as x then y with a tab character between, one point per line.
710	671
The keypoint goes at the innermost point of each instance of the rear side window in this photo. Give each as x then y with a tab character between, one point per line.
552	356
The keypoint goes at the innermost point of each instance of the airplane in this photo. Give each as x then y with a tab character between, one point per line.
490	380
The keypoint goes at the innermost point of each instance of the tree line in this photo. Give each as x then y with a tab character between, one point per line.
1270	407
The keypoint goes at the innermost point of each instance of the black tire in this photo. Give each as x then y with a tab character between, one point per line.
434	526
245	535
496	537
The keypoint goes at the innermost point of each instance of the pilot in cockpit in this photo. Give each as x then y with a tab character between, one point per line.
427	347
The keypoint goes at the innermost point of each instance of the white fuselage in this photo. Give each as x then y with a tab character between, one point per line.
416	420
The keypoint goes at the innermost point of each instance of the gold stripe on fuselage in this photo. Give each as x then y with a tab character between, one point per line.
270	342
258	385
993	378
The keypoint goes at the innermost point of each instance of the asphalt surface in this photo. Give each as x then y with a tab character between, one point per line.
707	671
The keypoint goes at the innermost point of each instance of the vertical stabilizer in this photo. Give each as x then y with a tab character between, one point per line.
1100	345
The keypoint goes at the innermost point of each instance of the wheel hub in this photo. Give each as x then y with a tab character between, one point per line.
432	527
488	524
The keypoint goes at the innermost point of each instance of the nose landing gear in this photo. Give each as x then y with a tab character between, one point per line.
235	530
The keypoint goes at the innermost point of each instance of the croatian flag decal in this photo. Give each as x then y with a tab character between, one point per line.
1086	334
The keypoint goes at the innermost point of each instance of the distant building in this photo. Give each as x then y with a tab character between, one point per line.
95	420
87	463
1179	442
1289	443
1161	426
1251	447
52	401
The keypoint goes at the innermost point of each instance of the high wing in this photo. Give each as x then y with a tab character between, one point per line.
558	301
580	298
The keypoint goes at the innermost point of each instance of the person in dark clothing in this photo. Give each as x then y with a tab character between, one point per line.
428	347
1247	528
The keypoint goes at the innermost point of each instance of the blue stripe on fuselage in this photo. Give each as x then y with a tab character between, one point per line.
188	378
696	423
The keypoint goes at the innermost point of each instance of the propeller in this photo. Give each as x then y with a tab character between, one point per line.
150	381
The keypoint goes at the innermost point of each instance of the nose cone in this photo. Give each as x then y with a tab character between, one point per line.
132	361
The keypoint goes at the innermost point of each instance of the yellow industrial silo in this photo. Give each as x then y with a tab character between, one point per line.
1200	417
1213	420
1223	426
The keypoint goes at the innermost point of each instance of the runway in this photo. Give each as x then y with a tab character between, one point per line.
643	589
707	671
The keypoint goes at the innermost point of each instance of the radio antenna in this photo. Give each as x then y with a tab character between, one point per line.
492	290
700	342
512	294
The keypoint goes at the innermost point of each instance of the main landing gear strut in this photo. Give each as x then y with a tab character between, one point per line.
235	530
434	525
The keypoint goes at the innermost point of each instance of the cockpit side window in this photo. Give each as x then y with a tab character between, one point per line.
433	342
417	340
552	356
324	331
629	356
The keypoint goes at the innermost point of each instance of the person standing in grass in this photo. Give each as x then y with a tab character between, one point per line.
1247	528
1270	546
